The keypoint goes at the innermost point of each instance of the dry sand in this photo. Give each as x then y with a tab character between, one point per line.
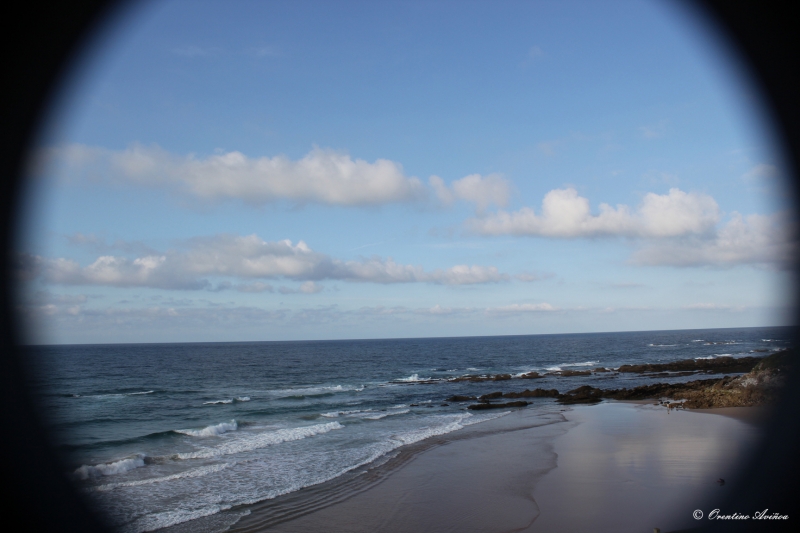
609	467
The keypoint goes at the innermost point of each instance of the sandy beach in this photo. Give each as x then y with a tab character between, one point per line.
616	466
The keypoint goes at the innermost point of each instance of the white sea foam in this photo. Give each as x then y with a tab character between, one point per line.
472	369
210	431
587	363
450	423
714	356
335	414
194	472
218	402
110	469
112	395
314	391
384	415
254	441
243	398
412	378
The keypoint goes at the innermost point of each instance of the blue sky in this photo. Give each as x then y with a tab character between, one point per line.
217	171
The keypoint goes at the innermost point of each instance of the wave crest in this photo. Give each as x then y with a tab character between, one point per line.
109	469
211	431
260	440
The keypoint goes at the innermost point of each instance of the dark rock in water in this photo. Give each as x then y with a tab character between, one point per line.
414	405
482	406
445	405
585	394
501	377
569	373
719	365
491	396
457	398
601	369
535	393
531	375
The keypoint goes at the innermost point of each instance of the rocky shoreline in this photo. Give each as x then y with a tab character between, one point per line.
760	383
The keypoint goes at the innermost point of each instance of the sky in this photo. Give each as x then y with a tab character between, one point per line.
245	171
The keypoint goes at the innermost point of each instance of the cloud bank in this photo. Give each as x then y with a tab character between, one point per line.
564	214
244	258
322	176
675	229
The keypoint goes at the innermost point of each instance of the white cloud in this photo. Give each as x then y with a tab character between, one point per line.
482	191
322	176
755	239
245	257
567	215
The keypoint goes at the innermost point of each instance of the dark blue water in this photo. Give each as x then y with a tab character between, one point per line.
163	433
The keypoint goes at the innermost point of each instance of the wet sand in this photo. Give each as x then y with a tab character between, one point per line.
609	467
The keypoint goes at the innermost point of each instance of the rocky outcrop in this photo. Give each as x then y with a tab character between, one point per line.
720	365
458	398
758	386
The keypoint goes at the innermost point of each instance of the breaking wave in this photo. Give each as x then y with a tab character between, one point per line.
413	378
110	469
211	431
255	441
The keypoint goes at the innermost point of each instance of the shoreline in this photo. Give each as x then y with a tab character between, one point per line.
520	472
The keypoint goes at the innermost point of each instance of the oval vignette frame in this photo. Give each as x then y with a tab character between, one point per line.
50	34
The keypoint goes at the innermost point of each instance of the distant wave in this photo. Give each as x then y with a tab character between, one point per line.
662	345
313	391
255	441
228	401
335	414
384	415
714	356
587	363
210	431
561	366
110	469
111	395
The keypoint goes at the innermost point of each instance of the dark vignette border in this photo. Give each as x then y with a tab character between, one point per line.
42	38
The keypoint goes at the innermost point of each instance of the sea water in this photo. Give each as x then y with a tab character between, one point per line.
161	434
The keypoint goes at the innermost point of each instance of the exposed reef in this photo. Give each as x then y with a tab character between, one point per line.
720	365
760	385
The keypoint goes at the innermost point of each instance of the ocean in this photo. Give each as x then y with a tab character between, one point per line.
161	434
